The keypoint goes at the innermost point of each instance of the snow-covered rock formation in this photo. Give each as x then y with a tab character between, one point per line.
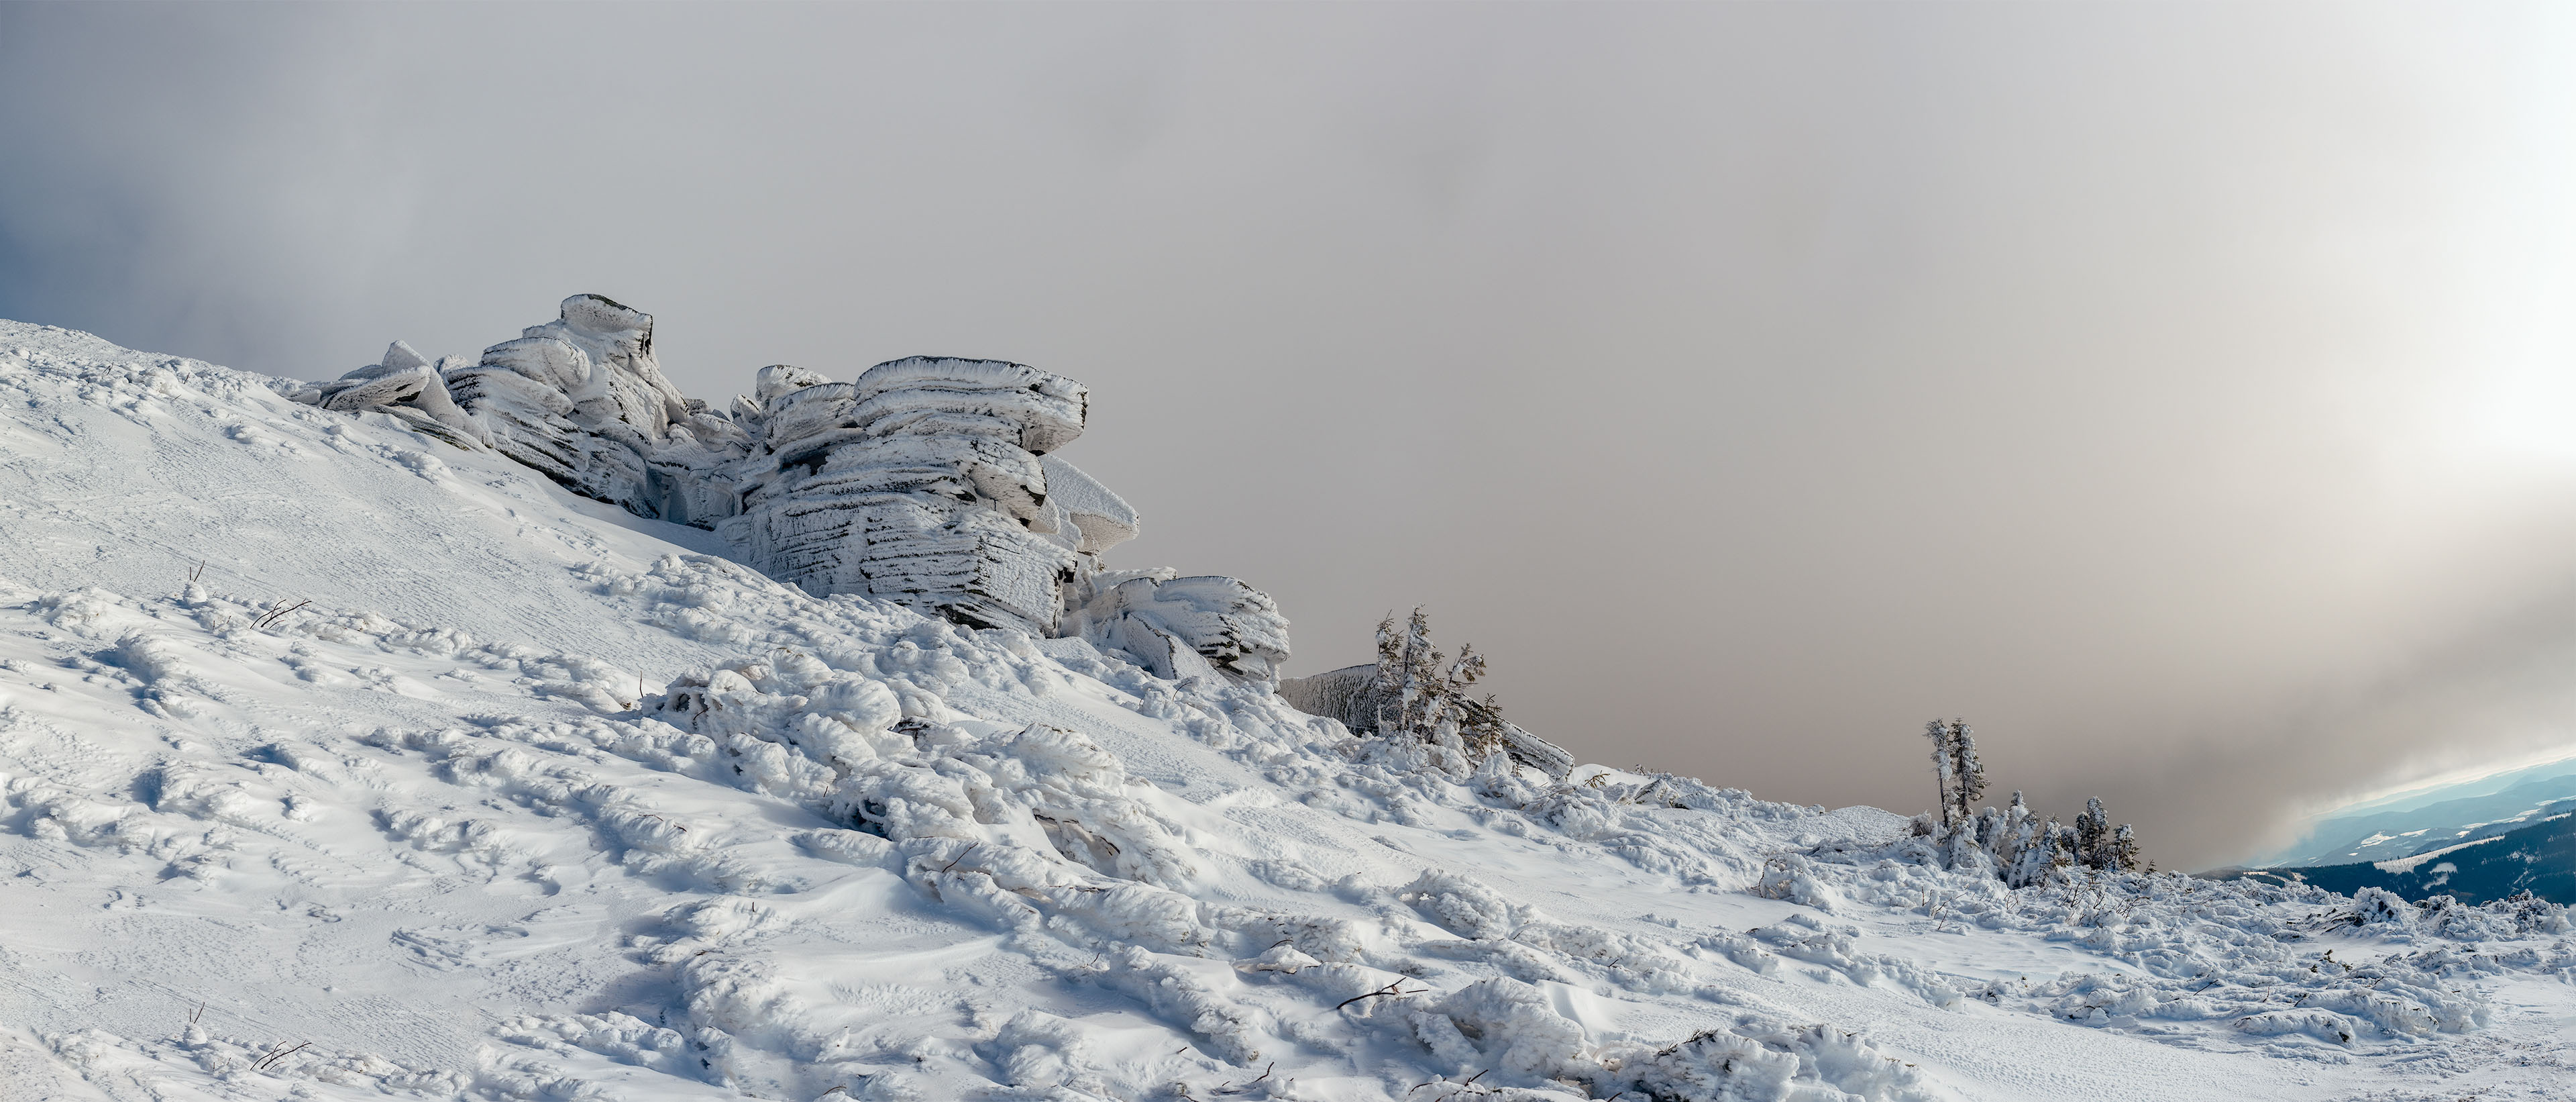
929	481
1182	627
919	482
404	385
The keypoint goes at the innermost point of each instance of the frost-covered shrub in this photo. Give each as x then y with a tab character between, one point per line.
2379	906
1762	1060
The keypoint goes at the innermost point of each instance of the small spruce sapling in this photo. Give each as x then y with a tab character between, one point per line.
1479	720
2024	854
1958	778
2122	854
2093	836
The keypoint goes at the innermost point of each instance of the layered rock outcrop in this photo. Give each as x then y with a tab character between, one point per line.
919	482
929	481
582	399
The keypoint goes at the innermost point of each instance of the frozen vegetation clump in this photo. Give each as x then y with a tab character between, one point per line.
1419	704
2196	950
2011	842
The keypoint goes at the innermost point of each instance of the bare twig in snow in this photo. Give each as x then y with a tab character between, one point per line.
277	613
1390	989
1239	1088
281	1053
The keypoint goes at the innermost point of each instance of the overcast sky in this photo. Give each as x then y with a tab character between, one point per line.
2184	394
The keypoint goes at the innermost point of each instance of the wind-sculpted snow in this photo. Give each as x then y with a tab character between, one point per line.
368	812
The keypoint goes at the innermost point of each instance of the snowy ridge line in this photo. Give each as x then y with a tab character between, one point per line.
706	836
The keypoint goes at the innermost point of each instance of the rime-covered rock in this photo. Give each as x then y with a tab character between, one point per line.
1348	694
1089	518
919	482
929	481
405	385
1174	624
687	477
582	399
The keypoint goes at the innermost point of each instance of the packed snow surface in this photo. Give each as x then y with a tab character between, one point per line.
341	759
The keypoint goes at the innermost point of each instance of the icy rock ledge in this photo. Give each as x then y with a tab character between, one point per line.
929	481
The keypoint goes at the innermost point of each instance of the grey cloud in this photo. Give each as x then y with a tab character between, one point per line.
1753	382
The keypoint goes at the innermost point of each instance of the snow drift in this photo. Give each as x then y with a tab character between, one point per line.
348	752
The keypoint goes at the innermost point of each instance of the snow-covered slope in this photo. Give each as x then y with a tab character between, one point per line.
340	762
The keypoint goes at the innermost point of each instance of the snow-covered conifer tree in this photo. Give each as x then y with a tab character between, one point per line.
1943	762
1479	720
1428	701
2093	835
1968	775
2042	851
2010	831
1408	670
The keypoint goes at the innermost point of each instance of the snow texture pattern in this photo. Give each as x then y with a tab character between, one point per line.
340	760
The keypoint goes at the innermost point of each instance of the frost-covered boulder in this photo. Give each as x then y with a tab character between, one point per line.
1177	625
599	353
929	481
403	384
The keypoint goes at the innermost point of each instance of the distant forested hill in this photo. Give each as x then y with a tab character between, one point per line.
2540	859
